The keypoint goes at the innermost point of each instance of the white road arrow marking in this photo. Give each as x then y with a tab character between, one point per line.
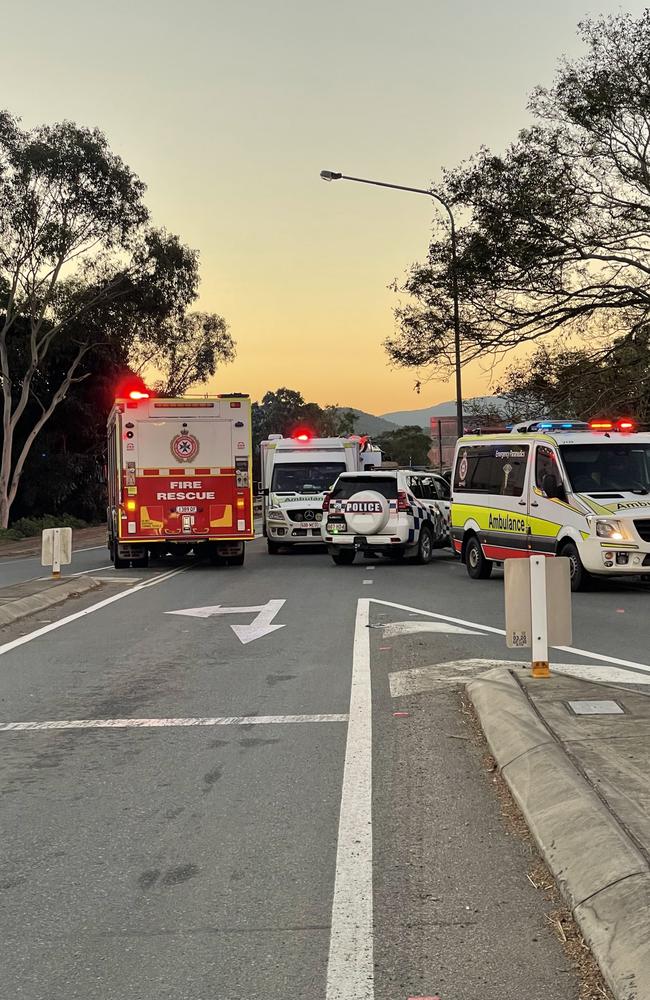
260	626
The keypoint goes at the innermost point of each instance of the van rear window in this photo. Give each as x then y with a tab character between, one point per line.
491	468
346	488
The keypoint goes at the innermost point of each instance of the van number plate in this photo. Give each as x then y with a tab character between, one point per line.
187	510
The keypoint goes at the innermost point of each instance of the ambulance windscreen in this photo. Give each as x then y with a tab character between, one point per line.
305	477
596	468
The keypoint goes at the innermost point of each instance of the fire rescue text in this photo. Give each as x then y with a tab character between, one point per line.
186	489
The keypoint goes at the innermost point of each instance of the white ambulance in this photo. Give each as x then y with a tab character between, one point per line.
296	474
556	487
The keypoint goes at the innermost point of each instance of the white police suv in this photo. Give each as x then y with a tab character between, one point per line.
390	512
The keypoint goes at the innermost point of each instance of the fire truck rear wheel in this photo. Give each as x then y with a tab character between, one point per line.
143	562
237	560
117	560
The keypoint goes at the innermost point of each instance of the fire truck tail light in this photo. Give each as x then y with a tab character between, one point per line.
241	502
131	505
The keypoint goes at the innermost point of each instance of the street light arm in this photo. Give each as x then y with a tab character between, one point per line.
330	175
395	187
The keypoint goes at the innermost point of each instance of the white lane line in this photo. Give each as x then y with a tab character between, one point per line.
350	972
82	572
36	555
411	628
219	720
8	646
632	665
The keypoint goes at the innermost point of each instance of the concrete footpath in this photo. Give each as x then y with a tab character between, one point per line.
23	599
582	783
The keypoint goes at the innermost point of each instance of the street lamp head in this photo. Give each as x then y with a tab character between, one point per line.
330	175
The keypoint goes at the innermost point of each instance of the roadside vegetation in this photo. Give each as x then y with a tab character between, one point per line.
30	527
554	243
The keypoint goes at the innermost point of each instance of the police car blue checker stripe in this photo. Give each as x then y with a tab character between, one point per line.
420	516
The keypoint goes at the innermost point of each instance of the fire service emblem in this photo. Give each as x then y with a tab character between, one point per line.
185	447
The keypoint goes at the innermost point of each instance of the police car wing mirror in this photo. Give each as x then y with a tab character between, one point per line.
551	487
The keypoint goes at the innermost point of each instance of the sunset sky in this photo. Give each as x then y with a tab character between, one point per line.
228	111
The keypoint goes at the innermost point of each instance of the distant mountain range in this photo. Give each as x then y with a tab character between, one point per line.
423	416
368	423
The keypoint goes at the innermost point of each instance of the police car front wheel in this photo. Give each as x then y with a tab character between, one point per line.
478	567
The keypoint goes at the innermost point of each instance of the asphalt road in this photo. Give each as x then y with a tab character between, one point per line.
232	843
23	568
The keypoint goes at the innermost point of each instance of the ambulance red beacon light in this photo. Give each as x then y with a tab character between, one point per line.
179	477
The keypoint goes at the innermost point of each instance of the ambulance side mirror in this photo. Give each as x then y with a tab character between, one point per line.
553	489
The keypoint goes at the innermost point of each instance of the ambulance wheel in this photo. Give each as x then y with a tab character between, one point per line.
272	547
117	560
237	560
425	546
478	567
344	557
580	578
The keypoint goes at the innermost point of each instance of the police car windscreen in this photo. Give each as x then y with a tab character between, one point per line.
594	468
305	477
346	488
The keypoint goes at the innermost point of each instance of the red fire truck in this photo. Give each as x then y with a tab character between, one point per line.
179	477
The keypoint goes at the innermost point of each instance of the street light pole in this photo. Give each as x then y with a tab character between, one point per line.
330	175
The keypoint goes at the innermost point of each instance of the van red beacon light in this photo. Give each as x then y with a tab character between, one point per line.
625	424
302	434
137	394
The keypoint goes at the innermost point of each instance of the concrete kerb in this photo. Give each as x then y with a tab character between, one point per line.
600	872
14	611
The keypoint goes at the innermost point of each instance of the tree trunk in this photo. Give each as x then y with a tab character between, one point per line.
4	507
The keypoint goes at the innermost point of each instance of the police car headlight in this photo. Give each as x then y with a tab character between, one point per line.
275	514
610	529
